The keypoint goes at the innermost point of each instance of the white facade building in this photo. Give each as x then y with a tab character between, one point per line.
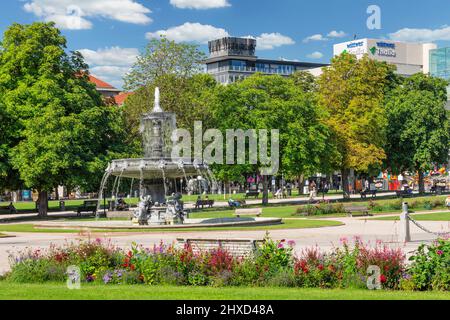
410	58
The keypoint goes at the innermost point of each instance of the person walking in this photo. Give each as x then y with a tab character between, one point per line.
312	190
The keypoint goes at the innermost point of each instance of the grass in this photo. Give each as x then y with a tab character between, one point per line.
438	216
288	224
52	291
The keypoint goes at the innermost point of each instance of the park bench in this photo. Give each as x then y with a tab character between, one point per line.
238	248
250	193
403	193
248	212
8	209
203	203
357	211
372	193
88	206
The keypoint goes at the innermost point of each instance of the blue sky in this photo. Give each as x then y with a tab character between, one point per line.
110	33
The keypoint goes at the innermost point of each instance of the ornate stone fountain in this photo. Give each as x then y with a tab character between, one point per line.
155	169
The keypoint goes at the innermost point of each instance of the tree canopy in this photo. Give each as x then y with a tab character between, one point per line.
352	92
58	126
418	125
164	57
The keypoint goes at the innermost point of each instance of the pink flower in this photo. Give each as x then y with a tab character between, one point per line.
291	243
440	252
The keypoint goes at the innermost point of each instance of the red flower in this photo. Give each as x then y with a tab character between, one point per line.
132	267
320	267
383	278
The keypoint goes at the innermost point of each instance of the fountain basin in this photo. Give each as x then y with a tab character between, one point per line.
150	168
189	224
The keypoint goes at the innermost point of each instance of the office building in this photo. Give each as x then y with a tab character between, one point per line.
440	66
233	59
410	58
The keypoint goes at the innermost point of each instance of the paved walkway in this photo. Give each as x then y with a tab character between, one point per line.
189	205
326	238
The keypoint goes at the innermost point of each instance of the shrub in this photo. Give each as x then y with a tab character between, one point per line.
321	208
274	255
273	264
430	268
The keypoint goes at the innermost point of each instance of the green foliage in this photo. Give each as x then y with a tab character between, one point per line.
272	264
418	124
164	57
58	130
352	92
274	102
430	267
321	209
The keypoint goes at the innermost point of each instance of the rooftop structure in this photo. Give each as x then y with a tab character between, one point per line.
232	59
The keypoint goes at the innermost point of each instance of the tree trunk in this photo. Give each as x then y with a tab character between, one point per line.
265	197
56	193
300	184
345	185
421	183
43	203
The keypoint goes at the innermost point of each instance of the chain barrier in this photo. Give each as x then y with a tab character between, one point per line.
439	234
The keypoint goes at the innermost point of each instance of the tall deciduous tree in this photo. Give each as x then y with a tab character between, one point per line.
418	128
59	126
352	91
275	102
164	57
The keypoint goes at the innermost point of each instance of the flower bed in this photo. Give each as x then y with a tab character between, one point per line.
273	264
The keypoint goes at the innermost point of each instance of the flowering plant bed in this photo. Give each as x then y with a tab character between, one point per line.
273	264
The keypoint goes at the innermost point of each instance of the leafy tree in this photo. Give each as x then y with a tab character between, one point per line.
188	98
58	125
305	80
274	102
352	92
418	125
164	57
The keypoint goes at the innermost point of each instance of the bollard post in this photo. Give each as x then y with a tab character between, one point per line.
404	234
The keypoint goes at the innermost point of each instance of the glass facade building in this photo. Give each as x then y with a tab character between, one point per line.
440	63
234	59
440	66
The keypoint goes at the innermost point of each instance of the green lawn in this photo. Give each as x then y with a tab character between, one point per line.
141	292
438	216
288	224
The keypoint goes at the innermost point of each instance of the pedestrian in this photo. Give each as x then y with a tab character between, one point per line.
312	190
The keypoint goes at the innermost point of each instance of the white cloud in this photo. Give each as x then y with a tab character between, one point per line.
315	37
199	4
421	35
315	55
201	34
190	32
269	41
116	56
74	14
110	64
336	34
